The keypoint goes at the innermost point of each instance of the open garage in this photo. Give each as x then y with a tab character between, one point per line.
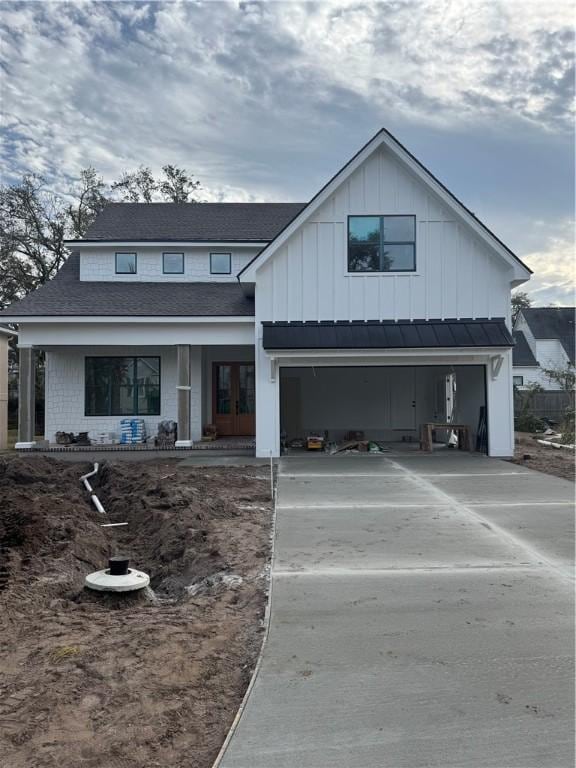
384	403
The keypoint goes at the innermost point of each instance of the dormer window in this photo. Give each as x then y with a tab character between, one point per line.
381	243
126	263
220	263
173	263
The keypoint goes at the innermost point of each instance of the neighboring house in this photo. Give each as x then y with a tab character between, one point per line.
364	309
544	338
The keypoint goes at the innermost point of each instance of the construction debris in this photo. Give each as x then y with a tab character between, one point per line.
360	446
315	443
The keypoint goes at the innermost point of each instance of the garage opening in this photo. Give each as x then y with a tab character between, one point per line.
387	404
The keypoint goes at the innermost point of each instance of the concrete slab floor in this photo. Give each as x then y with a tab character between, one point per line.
388	537
342	490
550	528
403	671
529	486
421	632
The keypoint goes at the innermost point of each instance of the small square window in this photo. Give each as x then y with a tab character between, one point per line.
518	381
125	263
220	263
173	263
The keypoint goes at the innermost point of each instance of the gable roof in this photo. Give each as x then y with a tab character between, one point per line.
522	354
193	222
553	323
67	295
384	137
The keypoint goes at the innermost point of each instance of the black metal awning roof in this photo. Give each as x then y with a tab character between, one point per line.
387	334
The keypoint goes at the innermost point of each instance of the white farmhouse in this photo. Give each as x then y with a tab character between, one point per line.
543	338
378	306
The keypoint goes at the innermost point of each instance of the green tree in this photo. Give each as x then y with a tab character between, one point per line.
136	186
33	227
35	222
520	300
178	186
90	196
141	186
564	376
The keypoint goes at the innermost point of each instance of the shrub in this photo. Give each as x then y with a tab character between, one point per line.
527	422
568	428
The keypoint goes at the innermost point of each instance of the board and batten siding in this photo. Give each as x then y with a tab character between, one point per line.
457	275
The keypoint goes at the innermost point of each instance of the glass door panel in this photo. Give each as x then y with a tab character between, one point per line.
246	423
234	398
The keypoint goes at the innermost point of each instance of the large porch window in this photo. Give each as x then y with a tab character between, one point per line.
122	386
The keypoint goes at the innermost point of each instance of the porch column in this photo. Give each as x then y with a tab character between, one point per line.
3	390
195	393
26	397
183	395
500	404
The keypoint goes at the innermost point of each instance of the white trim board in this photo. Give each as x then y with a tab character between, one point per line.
130	319
166	243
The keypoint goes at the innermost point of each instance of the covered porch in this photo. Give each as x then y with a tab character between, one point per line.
100	384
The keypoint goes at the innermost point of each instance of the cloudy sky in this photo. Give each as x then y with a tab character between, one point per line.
266	100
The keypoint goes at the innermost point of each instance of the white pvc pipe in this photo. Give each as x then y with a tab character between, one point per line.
95	499
554	445
96	502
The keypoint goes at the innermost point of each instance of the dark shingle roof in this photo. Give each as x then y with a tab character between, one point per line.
67	295
387	334
553	323
522	354
218	222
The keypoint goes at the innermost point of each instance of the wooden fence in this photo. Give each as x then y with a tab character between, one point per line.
545	405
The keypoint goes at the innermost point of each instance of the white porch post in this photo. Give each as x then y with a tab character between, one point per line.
267	403
195	393
3	390
26	397
500	405
189	394
183	395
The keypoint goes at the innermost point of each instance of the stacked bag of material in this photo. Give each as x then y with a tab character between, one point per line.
132	431
103	438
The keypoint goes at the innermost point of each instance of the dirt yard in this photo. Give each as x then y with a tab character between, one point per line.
127	681
553	461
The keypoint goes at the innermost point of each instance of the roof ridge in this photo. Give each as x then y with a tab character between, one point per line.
207	202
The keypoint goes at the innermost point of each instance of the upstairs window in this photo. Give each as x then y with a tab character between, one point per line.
122	386
125	263
173	263
381	243
518	381
220	263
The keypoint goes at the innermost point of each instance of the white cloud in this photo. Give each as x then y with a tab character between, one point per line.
264	100
554	265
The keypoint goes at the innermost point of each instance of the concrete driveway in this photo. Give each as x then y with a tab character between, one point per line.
422	615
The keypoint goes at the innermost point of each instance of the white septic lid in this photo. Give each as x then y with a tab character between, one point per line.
105	582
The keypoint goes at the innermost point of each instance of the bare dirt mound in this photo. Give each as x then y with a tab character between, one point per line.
552	461
128	681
